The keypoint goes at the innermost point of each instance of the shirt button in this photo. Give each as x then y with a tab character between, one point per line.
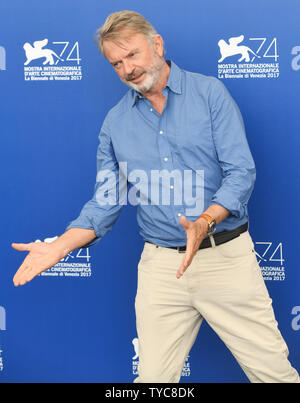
172	187
151	110
179	214
166	159
161	132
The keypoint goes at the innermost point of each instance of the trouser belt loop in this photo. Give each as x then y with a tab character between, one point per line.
212	241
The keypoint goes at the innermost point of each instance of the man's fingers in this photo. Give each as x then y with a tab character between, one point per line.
184	222
21	246
186	261
190	247
25	267
181	270
24	277
30	269
27	276
187	258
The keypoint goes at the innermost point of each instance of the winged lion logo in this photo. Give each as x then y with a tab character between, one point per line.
37	51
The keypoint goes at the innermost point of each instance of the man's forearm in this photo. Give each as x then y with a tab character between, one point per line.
74	238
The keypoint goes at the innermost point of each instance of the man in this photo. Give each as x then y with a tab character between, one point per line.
197	262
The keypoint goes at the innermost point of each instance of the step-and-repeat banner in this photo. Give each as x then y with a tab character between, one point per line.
76	321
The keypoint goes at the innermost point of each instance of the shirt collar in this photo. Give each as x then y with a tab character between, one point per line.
173	83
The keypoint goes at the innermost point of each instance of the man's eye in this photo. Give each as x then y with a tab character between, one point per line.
132	54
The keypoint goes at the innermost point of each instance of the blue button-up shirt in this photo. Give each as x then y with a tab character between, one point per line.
200	131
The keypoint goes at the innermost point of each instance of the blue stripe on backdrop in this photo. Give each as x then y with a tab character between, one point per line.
66	328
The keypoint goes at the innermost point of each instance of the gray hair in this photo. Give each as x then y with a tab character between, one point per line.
116	22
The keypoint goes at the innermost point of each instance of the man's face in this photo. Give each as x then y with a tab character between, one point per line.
137	63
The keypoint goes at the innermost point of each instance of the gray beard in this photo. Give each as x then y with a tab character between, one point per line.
152	76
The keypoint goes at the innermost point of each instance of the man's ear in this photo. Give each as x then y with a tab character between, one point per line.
158	44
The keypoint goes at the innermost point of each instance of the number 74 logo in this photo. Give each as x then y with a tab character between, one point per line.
73	52
267	249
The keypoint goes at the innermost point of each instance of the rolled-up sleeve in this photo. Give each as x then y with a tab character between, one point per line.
232	150
102	211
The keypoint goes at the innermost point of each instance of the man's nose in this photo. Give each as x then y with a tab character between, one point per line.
128	69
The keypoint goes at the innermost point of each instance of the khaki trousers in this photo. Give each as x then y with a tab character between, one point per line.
223	285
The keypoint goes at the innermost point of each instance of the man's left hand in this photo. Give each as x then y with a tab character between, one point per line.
196	231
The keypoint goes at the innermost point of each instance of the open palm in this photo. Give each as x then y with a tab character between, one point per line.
41	257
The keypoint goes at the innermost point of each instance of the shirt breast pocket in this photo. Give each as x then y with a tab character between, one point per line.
194	140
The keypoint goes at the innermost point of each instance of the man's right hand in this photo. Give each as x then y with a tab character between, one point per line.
41	257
